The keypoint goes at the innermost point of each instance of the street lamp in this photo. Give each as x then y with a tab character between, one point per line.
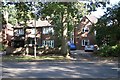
35	38
35	33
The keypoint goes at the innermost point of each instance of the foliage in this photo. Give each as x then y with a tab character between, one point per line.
107	50
10	8
108	30
64	16
108	27
18	11
24	11
93	5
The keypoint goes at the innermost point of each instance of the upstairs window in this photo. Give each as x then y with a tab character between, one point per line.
19	32
85	29
33	31
48	30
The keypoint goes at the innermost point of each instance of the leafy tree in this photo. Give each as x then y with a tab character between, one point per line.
64	15
9	8
108	27
24	11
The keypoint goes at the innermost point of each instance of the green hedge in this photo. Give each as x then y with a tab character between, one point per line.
107	50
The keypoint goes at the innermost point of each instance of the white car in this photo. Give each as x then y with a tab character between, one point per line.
89	48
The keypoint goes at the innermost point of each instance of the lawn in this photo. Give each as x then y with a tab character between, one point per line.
30	58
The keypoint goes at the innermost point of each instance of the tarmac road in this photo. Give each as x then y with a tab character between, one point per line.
72	69
60	69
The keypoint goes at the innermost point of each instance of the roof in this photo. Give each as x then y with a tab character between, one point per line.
92	18
39	23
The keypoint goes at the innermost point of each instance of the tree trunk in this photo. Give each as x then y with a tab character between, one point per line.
64	48
64	42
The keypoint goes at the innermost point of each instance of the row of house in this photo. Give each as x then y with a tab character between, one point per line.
18	35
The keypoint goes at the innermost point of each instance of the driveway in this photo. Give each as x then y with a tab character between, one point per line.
82	55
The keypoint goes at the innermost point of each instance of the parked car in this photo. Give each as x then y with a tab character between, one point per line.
72	46
89	48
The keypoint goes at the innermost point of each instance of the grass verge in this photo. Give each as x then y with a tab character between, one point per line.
30	58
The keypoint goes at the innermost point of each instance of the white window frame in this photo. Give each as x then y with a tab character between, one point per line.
47	30
49	43
84	41
19	32
84	29
33	31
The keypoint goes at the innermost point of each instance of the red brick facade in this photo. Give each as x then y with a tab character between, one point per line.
82	35
44	34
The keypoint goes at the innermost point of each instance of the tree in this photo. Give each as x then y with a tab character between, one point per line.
24	12
108	27
27	11
64	15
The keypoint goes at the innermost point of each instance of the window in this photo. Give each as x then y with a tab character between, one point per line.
18	43
85	42
49	43
85	29
95	32
33	31
19	32
48	30
31	41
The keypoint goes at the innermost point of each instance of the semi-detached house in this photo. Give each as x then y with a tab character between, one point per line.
82	35
45	36
25	35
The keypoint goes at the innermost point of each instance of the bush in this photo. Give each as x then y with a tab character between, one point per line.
107	50
116	50
50	51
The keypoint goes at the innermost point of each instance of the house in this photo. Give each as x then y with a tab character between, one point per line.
7	34
25	36
82	35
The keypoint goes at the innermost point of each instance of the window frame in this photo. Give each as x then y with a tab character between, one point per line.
50	43
47	30
33	31
84	29
19	32
84	42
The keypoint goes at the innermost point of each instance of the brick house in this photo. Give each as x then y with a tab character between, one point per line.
44	34
82	35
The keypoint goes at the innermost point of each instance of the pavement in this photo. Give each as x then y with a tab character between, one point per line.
78	68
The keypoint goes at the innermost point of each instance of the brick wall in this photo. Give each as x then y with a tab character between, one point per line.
80	35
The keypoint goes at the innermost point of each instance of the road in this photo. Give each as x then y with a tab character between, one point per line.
62	69
0	65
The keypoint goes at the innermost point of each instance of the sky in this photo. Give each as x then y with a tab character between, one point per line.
114	1
100	11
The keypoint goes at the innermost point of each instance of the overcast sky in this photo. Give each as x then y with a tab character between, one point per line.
100	11
114	1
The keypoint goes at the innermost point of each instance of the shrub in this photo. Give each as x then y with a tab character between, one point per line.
116	50
107	50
